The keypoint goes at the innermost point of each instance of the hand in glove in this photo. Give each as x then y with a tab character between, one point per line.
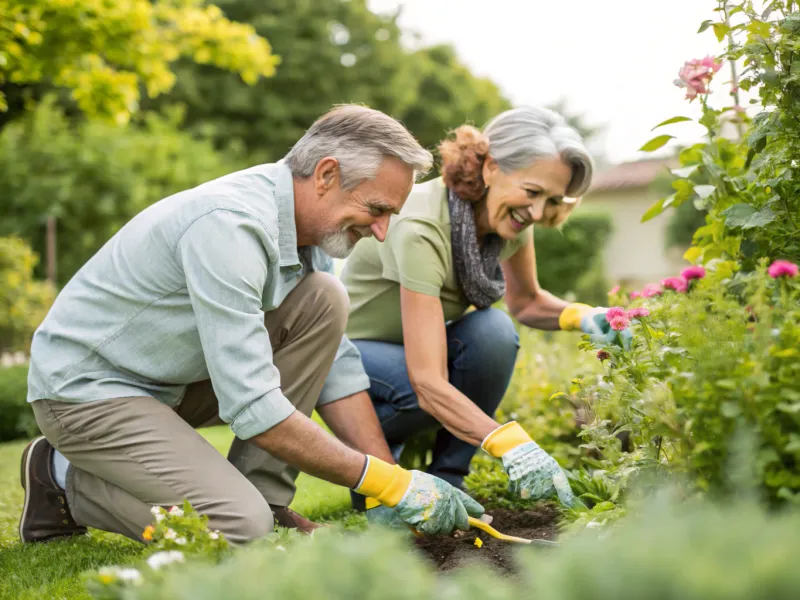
593	321
533	474
427	503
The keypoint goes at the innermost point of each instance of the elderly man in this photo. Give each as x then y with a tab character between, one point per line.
218	304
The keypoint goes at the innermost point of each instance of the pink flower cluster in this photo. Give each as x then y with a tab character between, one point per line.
620	319
783	268
696	74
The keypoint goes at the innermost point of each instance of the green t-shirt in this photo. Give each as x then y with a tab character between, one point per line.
417	254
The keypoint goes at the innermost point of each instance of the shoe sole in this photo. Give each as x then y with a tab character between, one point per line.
24	477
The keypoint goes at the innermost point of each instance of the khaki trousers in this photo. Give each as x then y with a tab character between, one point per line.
129	454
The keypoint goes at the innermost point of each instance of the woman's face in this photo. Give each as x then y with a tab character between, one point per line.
518	199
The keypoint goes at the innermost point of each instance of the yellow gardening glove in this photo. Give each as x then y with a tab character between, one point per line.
427	503
532	472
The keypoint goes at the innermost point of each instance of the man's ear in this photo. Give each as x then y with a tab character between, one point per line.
488	170
326	175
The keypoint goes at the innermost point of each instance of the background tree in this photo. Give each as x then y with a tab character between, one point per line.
106	53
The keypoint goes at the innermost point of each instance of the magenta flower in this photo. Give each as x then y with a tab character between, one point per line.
603	355
638	313
619	323
635	295
679	284
613	290
695	75
651	289
615	311
783	268
694	272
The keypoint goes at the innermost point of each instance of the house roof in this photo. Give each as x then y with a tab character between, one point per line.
640	173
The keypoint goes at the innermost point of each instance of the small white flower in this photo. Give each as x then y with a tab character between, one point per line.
213	535
160	559
181	541
131	575
176	512
156	510
281	548
170	534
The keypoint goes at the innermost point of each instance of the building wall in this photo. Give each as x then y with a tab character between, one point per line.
635	254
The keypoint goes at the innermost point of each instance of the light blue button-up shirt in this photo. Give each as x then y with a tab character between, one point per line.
178	295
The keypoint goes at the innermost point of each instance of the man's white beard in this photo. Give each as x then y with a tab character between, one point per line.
338	244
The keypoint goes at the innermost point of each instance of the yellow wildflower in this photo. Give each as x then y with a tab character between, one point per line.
478	542
148	533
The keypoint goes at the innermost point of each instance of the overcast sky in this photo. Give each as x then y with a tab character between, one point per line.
613	60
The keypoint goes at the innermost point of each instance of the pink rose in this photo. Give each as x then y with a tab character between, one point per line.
615	311
694	272
783	268
650	290
613	290
679	284
619	323
638	313
635	295
696	74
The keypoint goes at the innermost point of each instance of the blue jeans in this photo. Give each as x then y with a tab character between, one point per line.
481	352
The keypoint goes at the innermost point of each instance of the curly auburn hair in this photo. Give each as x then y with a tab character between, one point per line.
462	162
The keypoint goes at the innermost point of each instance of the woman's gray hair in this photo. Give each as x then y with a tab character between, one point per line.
520	136
359	138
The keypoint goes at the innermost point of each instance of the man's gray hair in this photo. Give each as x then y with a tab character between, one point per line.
520	136
359	138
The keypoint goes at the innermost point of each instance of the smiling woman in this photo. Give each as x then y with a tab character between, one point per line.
464	240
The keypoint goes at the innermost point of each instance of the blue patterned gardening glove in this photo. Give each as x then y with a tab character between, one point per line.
427	503
532	472
593	321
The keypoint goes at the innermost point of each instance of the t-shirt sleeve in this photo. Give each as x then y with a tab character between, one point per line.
416	255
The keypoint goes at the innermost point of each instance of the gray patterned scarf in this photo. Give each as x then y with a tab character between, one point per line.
477	268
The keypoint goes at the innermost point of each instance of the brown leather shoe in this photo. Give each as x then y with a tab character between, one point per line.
45	513
286	517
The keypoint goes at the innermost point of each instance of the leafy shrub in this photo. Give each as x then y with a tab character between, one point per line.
569	259
682	548
706	367
92	178
16	417
24	302
677	549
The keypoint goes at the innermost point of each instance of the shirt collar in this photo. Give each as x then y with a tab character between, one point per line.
287	229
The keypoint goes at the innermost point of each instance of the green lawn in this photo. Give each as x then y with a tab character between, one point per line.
53	570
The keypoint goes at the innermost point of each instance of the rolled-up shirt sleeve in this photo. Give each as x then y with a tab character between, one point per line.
225	259
347	375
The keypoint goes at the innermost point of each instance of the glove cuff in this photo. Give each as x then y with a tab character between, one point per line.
505	438
384	482
570	317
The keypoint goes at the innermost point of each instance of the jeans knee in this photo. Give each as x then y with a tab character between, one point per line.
497	338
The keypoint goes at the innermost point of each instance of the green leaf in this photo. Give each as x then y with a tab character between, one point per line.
668	200
704	191
721	30
763	217
671	121
705	25
656	143
653	211
730	410
693	254
737	215
789	408
684	171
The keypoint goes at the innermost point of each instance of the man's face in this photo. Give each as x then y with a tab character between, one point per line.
365	210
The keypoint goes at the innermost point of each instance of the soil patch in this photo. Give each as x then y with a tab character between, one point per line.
459	549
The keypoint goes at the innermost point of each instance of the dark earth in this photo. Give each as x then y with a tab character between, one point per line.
451	552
